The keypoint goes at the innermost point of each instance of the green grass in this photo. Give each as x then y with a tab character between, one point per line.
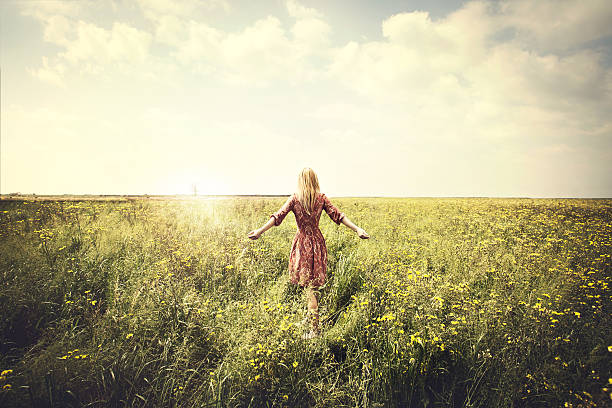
451	303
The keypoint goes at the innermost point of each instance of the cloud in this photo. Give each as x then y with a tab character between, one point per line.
557	25
417	54
297	10
312	35
52	74
96	44
87	47
157	9
462	67
480	87
41	10
58	29
259	54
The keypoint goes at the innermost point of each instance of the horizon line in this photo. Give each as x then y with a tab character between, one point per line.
68	196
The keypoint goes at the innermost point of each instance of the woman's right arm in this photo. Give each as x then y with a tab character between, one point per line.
275	219
257	233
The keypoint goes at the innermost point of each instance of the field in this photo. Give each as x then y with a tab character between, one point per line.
166	303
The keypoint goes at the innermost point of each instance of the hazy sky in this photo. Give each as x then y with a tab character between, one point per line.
380	98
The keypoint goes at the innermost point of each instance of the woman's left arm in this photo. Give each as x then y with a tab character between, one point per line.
341	218
360	231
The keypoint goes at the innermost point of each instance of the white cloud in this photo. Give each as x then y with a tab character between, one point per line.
256	55
297	10
157	9
418	54
552	25
312	34
58	30
52	74
42	10
97	44
457	68
513	75
87	47
469	88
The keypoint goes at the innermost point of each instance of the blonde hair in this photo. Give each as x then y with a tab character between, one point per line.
308	189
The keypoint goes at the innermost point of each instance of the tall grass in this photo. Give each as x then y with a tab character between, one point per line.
452	302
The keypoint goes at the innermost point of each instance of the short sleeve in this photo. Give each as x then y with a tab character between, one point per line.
335	215
279	216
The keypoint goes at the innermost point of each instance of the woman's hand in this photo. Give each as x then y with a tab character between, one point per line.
362	234
255	234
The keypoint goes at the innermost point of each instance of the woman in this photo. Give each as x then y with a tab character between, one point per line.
308	257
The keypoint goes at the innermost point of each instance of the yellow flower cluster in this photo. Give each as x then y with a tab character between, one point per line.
73	354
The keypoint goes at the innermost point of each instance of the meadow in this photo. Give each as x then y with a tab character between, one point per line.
452	302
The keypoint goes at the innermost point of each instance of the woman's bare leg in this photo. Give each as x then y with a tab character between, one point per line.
313	308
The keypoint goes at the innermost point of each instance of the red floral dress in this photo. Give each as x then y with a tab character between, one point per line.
308	258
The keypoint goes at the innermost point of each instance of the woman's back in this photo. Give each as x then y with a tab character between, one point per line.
308	223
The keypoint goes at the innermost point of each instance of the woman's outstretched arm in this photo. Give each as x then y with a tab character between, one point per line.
275	219
257	232
341	218
360	231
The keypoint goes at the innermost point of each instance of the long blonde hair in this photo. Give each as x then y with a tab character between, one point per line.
308	189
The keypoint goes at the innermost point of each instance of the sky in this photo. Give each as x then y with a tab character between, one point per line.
381	98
